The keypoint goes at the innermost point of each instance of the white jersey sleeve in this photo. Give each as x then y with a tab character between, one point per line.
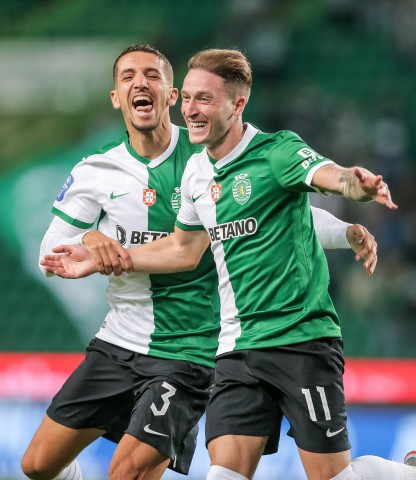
77	201
188	216
331	232
59	233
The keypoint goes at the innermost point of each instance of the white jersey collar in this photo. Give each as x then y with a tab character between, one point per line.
248	136
168	152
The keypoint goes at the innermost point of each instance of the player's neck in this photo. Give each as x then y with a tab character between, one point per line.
227	144
153	143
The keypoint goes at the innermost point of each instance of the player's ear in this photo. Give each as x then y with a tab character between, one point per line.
114	99
240	103
173	96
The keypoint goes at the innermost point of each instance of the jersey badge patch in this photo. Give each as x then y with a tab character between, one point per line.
242	188
149	196
309	155
216	191
176	200
68	182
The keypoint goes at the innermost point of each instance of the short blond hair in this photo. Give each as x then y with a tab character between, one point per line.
231	65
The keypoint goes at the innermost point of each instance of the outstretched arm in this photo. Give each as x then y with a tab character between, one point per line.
354	183
179	252
334	233
330	230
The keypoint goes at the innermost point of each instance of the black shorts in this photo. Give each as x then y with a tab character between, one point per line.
254	389
119	391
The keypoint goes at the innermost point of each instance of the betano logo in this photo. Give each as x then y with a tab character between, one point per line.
136	237
238	228
310	155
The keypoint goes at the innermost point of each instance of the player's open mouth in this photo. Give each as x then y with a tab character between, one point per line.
196	126
142	103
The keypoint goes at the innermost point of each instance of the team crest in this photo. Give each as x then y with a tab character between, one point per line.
242	188
216	191
176	200
149	196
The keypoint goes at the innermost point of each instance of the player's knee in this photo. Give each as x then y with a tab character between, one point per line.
127	470
35	469
27	465
139	470
120	468
118	471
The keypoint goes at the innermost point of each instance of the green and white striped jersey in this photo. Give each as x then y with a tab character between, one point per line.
136	201
273	275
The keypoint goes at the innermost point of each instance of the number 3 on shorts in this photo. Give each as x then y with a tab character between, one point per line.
309	402
165	397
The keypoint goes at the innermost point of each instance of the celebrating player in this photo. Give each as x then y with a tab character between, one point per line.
147	372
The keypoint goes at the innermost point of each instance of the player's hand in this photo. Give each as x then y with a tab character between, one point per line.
73	261
375	188
364	246
108	254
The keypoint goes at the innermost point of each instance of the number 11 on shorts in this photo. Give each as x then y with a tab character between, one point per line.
309	402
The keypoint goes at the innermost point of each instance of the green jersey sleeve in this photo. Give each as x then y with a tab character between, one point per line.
294	163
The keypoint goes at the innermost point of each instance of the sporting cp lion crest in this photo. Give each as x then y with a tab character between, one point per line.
176	200
241	188
149	196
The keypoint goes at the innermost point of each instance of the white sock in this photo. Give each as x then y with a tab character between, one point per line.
369	467
216	472
71	472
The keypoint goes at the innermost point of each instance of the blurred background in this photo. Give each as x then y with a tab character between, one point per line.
341	73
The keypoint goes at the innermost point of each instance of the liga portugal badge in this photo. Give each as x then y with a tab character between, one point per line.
149	196
176	200
216	191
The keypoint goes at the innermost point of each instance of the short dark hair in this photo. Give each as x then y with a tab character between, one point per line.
231	65
147	49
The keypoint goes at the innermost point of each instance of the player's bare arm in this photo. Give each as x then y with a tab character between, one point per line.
179	252
364	246
355	183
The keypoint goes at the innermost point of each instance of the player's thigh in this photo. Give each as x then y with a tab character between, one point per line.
242	404
314	401
134	459
53	446
99	393
171	398
240	453
166	416
324	466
